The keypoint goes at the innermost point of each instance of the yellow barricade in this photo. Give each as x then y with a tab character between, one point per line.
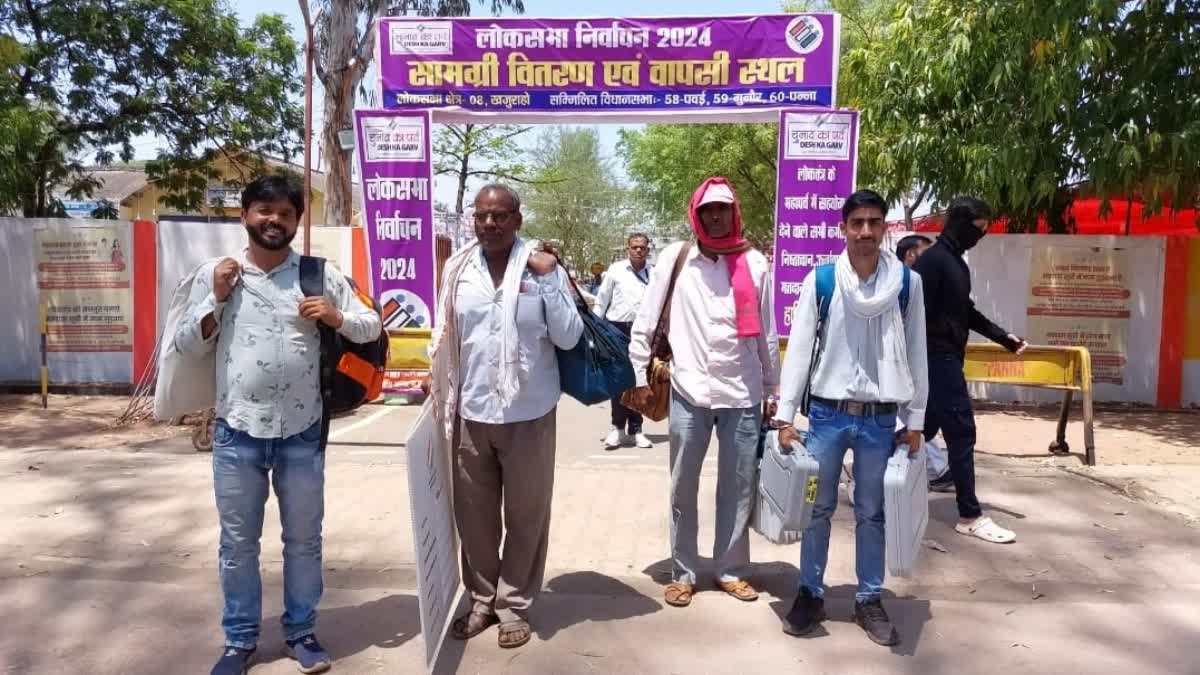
1067	369
409	349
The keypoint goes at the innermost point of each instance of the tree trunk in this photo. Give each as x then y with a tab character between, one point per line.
463	168
340	85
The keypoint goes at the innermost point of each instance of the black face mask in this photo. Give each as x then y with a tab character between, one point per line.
966	235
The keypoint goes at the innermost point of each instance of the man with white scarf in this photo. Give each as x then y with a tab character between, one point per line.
503	308
870	369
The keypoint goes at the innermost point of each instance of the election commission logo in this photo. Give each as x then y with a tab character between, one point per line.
427	37
394	139
805	34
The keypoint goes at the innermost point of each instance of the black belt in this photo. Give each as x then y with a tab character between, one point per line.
858	408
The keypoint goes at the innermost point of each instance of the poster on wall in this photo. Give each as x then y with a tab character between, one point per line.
613	64
83	278
818	154
1079	297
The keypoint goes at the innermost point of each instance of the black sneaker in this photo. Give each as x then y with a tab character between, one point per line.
874	620
807	611
943	483
233	661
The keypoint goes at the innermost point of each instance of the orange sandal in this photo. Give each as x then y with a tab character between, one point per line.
678	594
742	590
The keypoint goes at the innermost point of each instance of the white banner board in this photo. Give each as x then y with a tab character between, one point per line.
434	536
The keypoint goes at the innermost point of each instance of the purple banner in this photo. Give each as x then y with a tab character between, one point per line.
609	64
818	154
397	187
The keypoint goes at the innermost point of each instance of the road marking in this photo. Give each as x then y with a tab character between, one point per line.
373	417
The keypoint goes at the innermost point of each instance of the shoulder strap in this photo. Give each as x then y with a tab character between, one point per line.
312	275
904	291
826	282
664	318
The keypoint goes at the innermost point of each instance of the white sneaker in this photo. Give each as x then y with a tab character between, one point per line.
640	440
614	439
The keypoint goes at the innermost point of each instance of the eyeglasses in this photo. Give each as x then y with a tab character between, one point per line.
498	217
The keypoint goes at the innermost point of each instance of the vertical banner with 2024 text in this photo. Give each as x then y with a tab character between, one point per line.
394	158
818	153
1079	296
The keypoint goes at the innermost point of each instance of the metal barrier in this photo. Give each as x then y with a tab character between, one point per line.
408	362
1067	369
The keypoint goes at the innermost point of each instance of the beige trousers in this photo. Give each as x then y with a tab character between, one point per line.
509	467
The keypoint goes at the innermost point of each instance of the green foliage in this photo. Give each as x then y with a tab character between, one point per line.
490	151
86	77
575	199
1014	101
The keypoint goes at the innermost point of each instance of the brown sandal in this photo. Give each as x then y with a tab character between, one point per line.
508	629
678	594
742	590
471	624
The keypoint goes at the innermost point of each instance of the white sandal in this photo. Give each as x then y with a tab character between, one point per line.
986	529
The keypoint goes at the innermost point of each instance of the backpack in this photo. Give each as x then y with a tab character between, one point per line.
826	282
351	373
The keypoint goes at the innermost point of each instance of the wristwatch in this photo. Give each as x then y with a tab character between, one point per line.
778	424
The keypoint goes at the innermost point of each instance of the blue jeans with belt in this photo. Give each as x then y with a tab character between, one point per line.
243	466
830	434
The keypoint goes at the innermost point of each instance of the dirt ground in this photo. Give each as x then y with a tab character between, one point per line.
1123	435
75	422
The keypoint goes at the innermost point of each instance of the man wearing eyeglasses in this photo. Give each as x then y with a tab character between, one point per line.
618	300
503	309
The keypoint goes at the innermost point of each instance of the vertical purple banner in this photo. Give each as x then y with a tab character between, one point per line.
397	184
818	155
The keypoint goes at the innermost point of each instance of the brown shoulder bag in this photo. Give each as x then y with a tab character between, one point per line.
658	374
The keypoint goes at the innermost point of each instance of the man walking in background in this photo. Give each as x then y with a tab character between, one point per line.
911	247
725	360
618	300
951	315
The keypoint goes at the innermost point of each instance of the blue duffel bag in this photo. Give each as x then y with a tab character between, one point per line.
598	368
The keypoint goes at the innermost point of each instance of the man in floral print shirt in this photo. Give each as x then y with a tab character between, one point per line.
252	311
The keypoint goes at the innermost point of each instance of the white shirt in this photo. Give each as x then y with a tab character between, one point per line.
268	384
848	368
621	293
546	318
711	366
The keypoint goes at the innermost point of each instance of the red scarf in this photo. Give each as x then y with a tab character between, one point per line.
733	247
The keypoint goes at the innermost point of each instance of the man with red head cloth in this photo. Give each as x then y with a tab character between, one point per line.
725	359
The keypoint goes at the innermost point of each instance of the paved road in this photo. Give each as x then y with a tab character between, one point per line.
108	566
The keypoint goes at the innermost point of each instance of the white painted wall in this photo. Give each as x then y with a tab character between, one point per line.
1191	383
183	246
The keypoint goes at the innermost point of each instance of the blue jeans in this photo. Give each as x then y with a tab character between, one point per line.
241	464
830	434
691	430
